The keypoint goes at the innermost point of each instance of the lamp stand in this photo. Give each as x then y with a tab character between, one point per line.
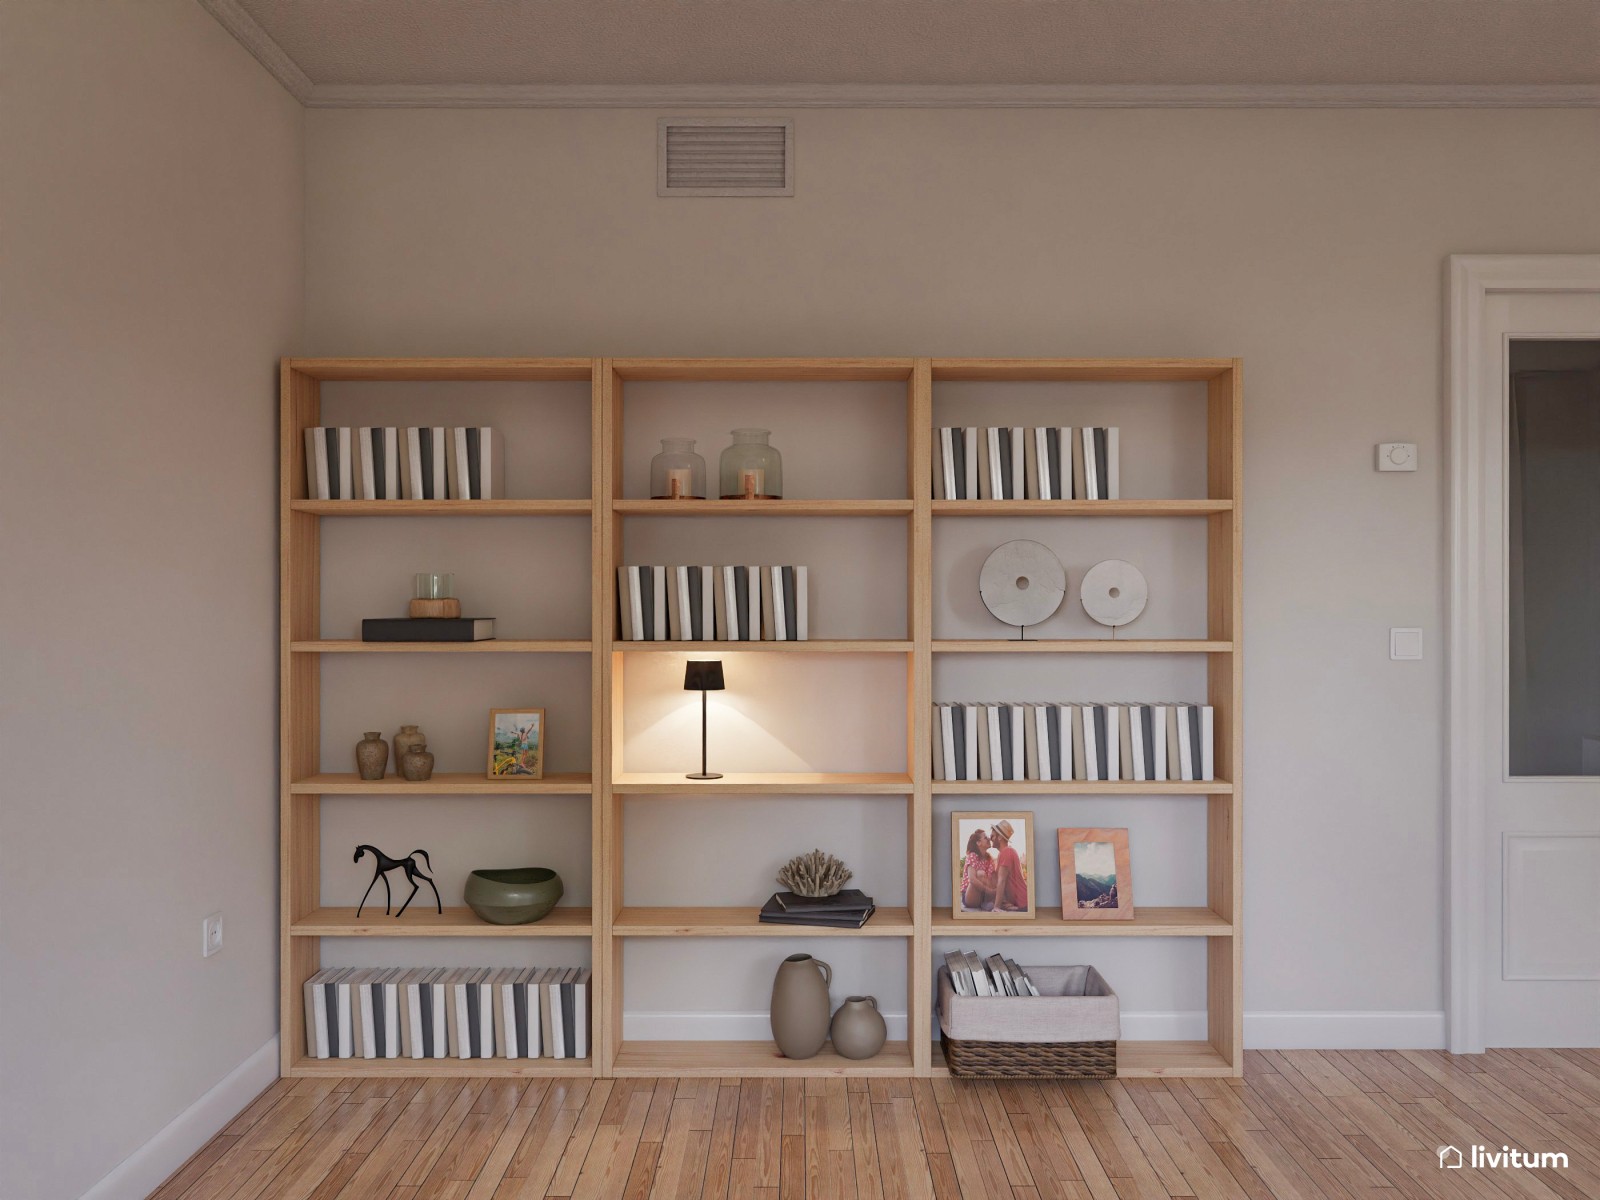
702	773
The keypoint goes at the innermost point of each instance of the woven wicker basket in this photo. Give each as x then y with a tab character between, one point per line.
1031	1060
1069	1032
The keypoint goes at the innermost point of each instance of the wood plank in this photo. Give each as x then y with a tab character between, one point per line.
1146	922
743	922
444	783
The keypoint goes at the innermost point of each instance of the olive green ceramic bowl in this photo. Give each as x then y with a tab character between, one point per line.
513	895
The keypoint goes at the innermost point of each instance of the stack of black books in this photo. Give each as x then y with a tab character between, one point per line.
848	909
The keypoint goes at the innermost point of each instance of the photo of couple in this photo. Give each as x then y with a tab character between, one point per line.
992	857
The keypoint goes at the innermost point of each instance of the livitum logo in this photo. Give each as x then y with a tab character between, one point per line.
1452	1159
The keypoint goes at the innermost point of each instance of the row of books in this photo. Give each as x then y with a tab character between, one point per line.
713	604
422	462
1141	742
847	909
444	1012
1013	463
973	975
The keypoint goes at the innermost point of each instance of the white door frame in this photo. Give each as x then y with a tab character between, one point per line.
1472	279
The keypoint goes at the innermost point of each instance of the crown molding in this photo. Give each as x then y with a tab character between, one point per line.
259	42
784	95
884	95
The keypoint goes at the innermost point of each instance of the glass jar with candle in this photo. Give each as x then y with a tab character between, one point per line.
677	473
751	469
433	594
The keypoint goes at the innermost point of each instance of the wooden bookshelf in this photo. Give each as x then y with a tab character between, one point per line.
607	922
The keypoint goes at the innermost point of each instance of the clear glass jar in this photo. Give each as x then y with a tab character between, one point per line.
433	585
751	469
677	473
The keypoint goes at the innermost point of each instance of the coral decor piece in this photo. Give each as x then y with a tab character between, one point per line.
814	874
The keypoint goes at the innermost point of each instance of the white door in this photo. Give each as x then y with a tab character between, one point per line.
1535	416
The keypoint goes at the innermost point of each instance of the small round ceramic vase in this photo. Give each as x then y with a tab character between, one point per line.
416	764
372	756
858	1029
408	738
800	1005
513	896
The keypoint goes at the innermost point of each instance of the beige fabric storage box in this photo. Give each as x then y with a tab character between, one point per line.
1069	1032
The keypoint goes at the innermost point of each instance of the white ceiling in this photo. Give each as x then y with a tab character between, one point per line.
346	48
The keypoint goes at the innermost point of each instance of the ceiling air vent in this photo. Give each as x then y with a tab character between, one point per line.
724	156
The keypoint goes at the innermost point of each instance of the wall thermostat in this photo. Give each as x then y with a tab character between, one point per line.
1397	456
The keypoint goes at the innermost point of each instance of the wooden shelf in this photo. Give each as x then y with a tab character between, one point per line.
775	370
1081	646
1146	922
743	922
1146	1060
1083	370
731	1060
444	783
1079	787
455	922
442	508
493	646
1172	1060
762	508
908	386
466	370
859	646
1080	508
764	783
452	1068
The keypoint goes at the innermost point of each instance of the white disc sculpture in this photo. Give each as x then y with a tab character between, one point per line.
1114	592
1022	583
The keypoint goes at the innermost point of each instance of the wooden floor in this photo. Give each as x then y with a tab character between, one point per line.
1356	1124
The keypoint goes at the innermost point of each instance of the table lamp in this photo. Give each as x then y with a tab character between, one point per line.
703	675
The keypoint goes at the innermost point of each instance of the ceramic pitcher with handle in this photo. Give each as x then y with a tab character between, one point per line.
800	1005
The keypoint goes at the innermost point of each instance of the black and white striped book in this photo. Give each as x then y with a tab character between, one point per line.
423	471
330	463
319	483
379	462
475	466
322	1013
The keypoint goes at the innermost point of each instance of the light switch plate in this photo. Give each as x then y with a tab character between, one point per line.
1405	645
1397	456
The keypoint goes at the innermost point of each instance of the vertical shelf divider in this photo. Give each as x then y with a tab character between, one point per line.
608	732
1225	692
919	810
604	981
299	700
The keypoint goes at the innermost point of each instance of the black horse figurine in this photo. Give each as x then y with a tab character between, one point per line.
384	865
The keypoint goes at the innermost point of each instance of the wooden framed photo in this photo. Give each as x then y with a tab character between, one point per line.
516	743
991	866
1096	882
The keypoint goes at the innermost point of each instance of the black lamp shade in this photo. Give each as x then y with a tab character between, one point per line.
703	675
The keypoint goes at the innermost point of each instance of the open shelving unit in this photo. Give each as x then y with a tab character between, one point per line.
610	923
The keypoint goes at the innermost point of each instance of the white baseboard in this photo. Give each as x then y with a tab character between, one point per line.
1422	1030
1262	1030
147	1167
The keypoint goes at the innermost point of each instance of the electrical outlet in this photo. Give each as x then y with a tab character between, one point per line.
211	935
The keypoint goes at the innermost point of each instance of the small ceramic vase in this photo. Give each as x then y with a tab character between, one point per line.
800	1005
372	756
416	764
858	1030
408	738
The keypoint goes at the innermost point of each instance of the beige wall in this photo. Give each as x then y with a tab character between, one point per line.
152	204
1310	243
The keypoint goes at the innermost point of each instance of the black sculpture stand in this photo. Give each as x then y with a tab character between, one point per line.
408	864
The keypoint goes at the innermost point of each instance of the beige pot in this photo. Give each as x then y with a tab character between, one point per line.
800	1005
409	738
858	1029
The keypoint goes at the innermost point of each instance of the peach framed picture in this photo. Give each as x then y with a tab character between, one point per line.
991	866
1096	880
